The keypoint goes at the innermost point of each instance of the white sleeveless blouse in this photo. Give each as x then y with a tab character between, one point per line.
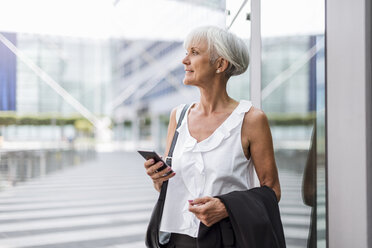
214	166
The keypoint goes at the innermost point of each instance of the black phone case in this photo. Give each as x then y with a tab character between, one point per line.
153	155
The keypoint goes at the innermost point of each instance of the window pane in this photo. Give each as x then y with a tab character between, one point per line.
293	99
237	20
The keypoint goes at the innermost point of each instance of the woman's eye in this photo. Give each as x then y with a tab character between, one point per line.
194	52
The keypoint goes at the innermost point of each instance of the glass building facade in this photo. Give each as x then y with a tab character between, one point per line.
8	75
81	66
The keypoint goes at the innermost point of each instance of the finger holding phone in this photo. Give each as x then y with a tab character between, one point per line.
157	169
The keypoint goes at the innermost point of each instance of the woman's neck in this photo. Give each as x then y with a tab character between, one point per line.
214	99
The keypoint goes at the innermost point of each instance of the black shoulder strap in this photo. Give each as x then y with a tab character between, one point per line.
164	186
175	136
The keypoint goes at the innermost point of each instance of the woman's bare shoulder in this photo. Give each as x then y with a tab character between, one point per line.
171	129
255	117
255	124
172	117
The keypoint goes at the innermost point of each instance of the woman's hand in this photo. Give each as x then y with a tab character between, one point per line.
158	177
208	210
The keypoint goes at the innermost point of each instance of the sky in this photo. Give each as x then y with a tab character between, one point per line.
153	19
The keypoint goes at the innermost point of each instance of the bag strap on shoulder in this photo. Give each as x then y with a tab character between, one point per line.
174	140
164	186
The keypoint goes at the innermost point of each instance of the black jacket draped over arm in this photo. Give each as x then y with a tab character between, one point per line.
253	222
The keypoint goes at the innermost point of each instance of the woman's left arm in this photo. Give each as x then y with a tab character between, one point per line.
260	147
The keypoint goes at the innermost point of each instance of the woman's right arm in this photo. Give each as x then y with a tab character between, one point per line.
151	168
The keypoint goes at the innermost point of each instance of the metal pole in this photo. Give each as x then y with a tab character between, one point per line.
255	60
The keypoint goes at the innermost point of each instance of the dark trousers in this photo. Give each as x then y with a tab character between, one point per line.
220	234
181	241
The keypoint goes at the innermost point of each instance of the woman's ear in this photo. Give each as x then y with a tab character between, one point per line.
222	65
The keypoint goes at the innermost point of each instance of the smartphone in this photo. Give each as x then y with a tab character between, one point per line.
153	155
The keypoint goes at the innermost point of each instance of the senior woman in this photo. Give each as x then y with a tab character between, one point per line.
220	143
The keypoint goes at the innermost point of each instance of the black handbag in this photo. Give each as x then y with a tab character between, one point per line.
155	238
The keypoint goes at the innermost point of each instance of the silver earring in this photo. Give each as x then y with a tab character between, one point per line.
218	71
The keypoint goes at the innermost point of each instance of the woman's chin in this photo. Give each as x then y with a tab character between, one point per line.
187	82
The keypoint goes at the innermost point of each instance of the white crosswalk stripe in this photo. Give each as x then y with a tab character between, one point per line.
74	236
107	203
74	211
141	216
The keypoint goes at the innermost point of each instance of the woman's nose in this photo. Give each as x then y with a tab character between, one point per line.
186	60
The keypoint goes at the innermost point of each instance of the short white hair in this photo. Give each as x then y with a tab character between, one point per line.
222	43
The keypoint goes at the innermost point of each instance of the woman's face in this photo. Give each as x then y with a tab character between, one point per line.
198	69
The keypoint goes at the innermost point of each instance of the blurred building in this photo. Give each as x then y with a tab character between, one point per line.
81	66
8	75
282	56
126	76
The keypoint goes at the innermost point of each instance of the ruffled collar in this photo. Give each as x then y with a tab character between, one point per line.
221	133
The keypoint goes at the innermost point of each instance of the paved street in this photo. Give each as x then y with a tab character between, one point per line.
107	203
